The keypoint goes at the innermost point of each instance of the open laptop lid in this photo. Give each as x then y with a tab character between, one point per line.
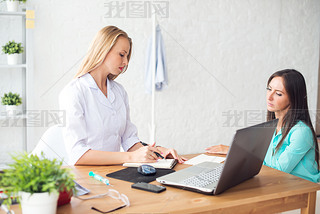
246	154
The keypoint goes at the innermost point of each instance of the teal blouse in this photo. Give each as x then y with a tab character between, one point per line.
296	155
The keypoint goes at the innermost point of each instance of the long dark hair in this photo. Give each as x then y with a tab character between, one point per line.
295	86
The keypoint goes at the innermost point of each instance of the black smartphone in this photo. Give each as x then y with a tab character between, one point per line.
148	187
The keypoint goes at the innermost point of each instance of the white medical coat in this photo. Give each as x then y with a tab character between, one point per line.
94	121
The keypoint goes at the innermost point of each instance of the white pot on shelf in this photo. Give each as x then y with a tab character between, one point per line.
12	110
39	203
13	59
12	5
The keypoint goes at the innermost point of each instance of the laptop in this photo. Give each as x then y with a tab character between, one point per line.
244	160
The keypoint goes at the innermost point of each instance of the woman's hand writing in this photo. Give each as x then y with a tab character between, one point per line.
145	154
171	153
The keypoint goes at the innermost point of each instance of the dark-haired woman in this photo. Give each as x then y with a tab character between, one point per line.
293	148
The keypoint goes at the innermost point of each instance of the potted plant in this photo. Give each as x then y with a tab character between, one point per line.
11	101
12	49
12	5
36	182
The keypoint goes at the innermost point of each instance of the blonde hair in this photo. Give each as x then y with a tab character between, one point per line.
100	47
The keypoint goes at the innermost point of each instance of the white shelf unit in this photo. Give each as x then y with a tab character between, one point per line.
14	66
25	69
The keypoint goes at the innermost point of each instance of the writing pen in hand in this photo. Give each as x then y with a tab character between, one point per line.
158	155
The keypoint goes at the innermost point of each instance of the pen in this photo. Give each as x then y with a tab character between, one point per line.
99	178
158	155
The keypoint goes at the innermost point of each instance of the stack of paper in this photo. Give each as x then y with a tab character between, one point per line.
203	158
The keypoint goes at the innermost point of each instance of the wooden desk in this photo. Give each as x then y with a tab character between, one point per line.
269	192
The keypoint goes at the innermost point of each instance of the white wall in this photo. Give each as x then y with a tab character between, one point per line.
219	56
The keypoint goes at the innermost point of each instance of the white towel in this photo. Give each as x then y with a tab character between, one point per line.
161	80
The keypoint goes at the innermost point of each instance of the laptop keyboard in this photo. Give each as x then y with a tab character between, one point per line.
204	178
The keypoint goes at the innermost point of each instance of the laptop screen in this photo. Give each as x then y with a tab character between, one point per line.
246	154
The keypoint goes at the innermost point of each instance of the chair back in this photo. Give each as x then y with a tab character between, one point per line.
52	145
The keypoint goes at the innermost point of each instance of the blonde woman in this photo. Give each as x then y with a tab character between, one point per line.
97	109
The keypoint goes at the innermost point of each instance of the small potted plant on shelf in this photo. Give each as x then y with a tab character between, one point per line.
12	49
13	5
36	183
11	101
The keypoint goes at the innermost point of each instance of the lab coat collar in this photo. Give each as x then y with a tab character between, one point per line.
91	83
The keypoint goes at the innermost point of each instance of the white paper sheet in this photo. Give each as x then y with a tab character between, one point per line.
202	158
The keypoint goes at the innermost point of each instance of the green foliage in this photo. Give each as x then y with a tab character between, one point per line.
11	99
32	174
23	1
12	48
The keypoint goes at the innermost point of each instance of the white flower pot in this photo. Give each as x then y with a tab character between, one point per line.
39	203
12	110
12	6
13	59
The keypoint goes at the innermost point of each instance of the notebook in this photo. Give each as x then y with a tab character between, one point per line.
160	164
244	160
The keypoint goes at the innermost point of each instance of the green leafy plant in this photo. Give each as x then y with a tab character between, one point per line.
12	48
23	1
11	99
32	174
